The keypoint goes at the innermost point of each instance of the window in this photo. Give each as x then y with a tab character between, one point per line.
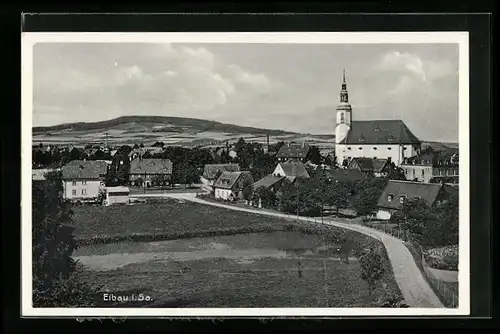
406	171
73	192
84	182
389	148
402	199
413	173
349	148
390	198
374	148
342	118
84	191
124	193
74	183
423	172
404	148
360	148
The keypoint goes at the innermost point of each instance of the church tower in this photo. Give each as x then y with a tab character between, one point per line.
344	113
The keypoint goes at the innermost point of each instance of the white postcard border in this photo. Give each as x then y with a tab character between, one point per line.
30	39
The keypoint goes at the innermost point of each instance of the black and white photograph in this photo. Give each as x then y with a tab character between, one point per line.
256	174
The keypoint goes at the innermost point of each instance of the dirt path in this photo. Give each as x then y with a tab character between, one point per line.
412	284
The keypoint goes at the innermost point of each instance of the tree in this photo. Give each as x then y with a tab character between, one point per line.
338	195
267	197
264	165
247	189
395	173
56	281
315	155
372	269
368	193
444	231
159	180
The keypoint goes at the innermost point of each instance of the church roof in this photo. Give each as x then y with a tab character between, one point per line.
380	132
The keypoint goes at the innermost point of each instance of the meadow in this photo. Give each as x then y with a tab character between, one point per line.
263	279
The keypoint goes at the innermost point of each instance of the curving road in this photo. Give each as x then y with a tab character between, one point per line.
412	284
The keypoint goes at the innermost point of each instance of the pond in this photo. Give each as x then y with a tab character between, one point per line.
279	269
242	247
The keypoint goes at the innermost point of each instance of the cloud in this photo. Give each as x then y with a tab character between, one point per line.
173	80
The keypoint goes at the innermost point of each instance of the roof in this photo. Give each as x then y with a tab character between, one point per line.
40	174
117	189
151	166
427	191
370	164
380	132
84	169
296	169
211	169
434	158
350	175
268	181
227	180
293	151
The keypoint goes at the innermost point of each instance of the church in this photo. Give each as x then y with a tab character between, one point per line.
380	139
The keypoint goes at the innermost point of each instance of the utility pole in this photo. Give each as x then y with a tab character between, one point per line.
297	187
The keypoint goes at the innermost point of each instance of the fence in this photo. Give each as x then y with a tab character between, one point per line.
447	290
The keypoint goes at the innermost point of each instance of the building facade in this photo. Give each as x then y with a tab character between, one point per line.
117	195
229	186
379	139
432	167
150	172
83	180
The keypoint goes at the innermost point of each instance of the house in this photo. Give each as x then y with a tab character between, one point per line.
291	170
370	166
229	185
380	139
82	179
433	166
297	152
147	171
396	192
271	182
211	170
117	195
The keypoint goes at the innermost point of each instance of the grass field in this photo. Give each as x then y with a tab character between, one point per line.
224	281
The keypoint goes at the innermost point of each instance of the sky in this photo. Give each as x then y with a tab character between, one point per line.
293	87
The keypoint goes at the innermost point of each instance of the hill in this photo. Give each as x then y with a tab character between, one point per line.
158	123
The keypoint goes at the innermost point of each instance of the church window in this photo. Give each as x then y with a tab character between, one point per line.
375	148
389	148
360	148
342	117
349	148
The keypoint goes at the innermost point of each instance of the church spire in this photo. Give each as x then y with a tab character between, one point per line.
344	97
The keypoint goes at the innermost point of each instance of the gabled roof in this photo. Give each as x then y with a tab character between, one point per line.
380	132
151	166
268	181
427	191
84	169
228	180
293	151
211	169
370	164
295	169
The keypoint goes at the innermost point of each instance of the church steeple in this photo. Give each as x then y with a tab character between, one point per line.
344	96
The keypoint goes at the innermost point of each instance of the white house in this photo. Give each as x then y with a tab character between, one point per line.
229	186
117	195
291	170
380	139
82	179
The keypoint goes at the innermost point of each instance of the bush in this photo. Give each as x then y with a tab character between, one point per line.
55	280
